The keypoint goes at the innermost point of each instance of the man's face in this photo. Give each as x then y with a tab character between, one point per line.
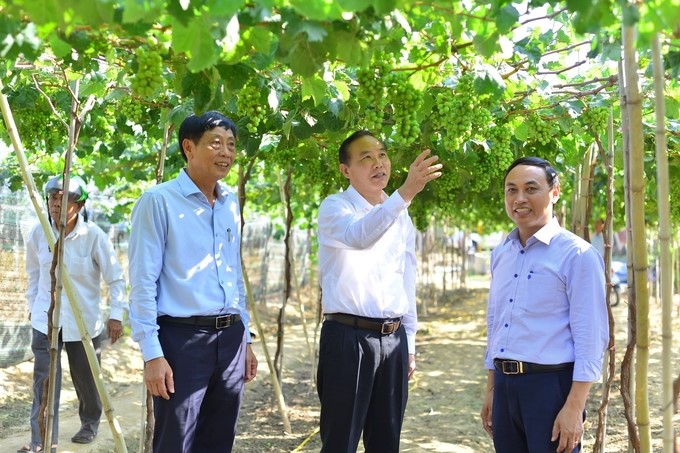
54	206
368	169
529	199
213	155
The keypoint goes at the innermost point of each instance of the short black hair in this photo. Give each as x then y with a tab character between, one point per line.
550	173
343	154
194	126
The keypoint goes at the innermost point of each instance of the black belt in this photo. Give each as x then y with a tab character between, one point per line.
218	322
383	326
517	367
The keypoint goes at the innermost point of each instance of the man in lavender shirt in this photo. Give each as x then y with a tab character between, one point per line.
547	325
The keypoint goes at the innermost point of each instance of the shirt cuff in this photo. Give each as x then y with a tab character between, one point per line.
151	348
411	342
587	370
116	313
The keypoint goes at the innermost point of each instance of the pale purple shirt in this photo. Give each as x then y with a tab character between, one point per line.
547	302
185	258
367	263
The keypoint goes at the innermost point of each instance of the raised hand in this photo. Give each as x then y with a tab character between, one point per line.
421	171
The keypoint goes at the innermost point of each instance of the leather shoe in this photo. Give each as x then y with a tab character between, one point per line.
83	437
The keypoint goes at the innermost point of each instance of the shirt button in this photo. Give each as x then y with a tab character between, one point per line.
511	300
506	325
515	275
522	252
502	349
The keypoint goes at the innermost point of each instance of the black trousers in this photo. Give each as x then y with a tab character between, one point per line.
208	368
362	381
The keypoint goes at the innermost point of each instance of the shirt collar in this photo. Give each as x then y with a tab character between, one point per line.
80	228
188	187
359	201
545	234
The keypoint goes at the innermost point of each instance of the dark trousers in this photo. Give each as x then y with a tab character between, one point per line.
208	368
362	381
89	406
525	407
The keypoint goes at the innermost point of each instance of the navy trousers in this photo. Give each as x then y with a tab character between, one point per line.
525	407
208	367
362	382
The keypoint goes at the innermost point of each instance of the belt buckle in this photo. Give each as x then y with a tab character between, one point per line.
387	327
512	367
222	322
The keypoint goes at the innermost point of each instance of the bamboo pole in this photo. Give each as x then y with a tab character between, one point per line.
116	430
281	402
637	196
665	267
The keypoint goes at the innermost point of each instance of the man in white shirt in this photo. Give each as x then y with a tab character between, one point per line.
367	272
88	256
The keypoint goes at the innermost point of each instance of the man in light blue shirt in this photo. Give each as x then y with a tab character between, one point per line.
187	302
547	323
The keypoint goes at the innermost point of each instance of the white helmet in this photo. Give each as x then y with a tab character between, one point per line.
76	187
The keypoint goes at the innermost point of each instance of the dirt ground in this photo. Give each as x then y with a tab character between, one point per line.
444	402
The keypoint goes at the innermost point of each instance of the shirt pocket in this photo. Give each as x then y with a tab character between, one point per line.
544	294
80	266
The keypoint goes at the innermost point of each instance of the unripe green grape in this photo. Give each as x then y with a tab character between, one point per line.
251	105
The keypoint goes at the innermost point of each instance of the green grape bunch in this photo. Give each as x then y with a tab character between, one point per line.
406	102
539	130
148	78
595	118
372	88
500	148
131	110
251	105
454	113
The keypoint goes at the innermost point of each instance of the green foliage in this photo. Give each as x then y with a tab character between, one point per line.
478	83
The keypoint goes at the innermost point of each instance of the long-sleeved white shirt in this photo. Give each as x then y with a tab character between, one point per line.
88	257
367	262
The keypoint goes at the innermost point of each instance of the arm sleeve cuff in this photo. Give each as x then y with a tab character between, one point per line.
151	348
